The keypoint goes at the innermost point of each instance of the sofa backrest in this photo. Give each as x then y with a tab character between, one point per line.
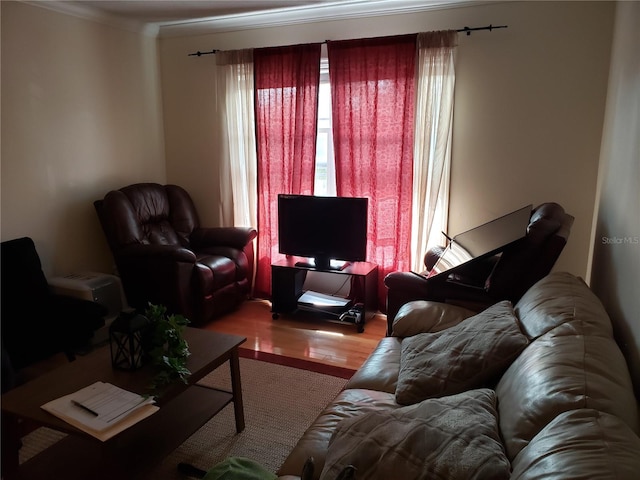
582	444
562	299
572	363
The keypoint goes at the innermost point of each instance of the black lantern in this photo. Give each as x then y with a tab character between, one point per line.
126	340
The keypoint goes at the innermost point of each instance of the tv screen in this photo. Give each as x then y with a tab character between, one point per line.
324	229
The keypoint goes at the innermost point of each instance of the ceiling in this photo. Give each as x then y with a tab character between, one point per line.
172	11
182	17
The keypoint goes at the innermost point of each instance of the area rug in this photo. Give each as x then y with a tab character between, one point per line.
280	402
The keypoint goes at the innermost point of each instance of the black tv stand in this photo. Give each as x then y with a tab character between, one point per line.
287	281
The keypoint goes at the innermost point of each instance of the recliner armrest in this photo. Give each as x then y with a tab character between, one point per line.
236	237
407	281
165	252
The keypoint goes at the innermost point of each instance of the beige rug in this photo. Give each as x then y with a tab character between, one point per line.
280	402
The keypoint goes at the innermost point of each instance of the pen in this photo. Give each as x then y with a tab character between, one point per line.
85	408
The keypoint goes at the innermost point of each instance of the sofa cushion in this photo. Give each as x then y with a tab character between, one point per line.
558	373
315	441
450	438
600	444
214	272
459	358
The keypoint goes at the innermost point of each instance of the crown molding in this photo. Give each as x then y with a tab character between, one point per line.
337	10
304	14
88	13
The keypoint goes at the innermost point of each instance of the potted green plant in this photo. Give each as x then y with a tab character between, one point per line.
166	347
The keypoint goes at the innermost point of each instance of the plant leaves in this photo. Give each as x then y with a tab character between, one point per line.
168	349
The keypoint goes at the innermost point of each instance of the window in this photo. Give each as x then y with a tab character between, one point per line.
325	175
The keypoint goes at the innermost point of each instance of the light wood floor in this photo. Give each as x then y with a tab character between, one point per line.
303	335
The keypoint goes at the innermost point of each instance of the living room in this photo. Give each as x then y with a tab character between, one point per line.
90	106
545	110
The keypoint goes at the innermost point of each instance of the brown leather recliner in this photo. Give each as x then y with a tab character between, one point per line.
484	282
164	256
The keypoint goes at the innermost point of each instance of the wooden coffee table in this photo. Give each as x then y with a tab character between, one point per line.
183	410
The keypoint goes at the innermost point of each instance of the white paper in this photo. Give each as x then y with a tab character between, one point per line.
116	409
322	300
108	401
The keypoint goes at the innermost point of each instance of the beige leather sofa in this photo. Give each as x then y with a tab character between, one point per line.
563	401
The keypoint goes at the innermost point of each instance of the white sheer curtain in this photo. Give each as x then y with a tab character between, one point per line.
432	150
238	162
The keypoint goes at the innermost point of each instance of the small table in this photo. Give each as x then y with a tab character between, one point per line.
287	280
184	408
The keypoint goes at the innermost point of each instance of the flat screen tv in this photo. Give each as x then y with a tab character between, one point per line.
327	230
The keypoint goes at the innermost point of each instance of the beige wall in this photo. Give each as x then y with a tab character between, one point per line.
81	114
615	273
528	114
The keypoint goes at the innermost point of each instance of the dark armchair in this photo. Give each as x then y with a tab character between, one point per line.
40	329
36	323
484	282
164	256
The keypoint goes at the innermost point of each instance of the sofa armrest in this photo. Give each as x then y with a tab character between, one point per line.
380	370
423	316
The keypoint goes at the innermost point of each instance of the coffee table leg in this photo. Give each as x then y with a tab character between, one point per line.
236	388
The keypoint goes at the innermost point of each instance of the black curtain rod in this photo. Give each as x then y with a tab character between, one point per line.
199	53
466	30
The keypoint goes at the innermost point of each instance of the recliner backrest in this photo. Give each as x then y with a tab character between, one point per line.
528	260
148	213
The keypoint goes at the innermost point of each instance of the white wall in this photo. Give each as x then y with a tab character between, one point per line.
615	273
81	114
528	114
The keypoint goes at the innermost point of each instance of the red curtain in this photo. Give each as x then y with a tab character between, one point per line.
286	103
372	91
